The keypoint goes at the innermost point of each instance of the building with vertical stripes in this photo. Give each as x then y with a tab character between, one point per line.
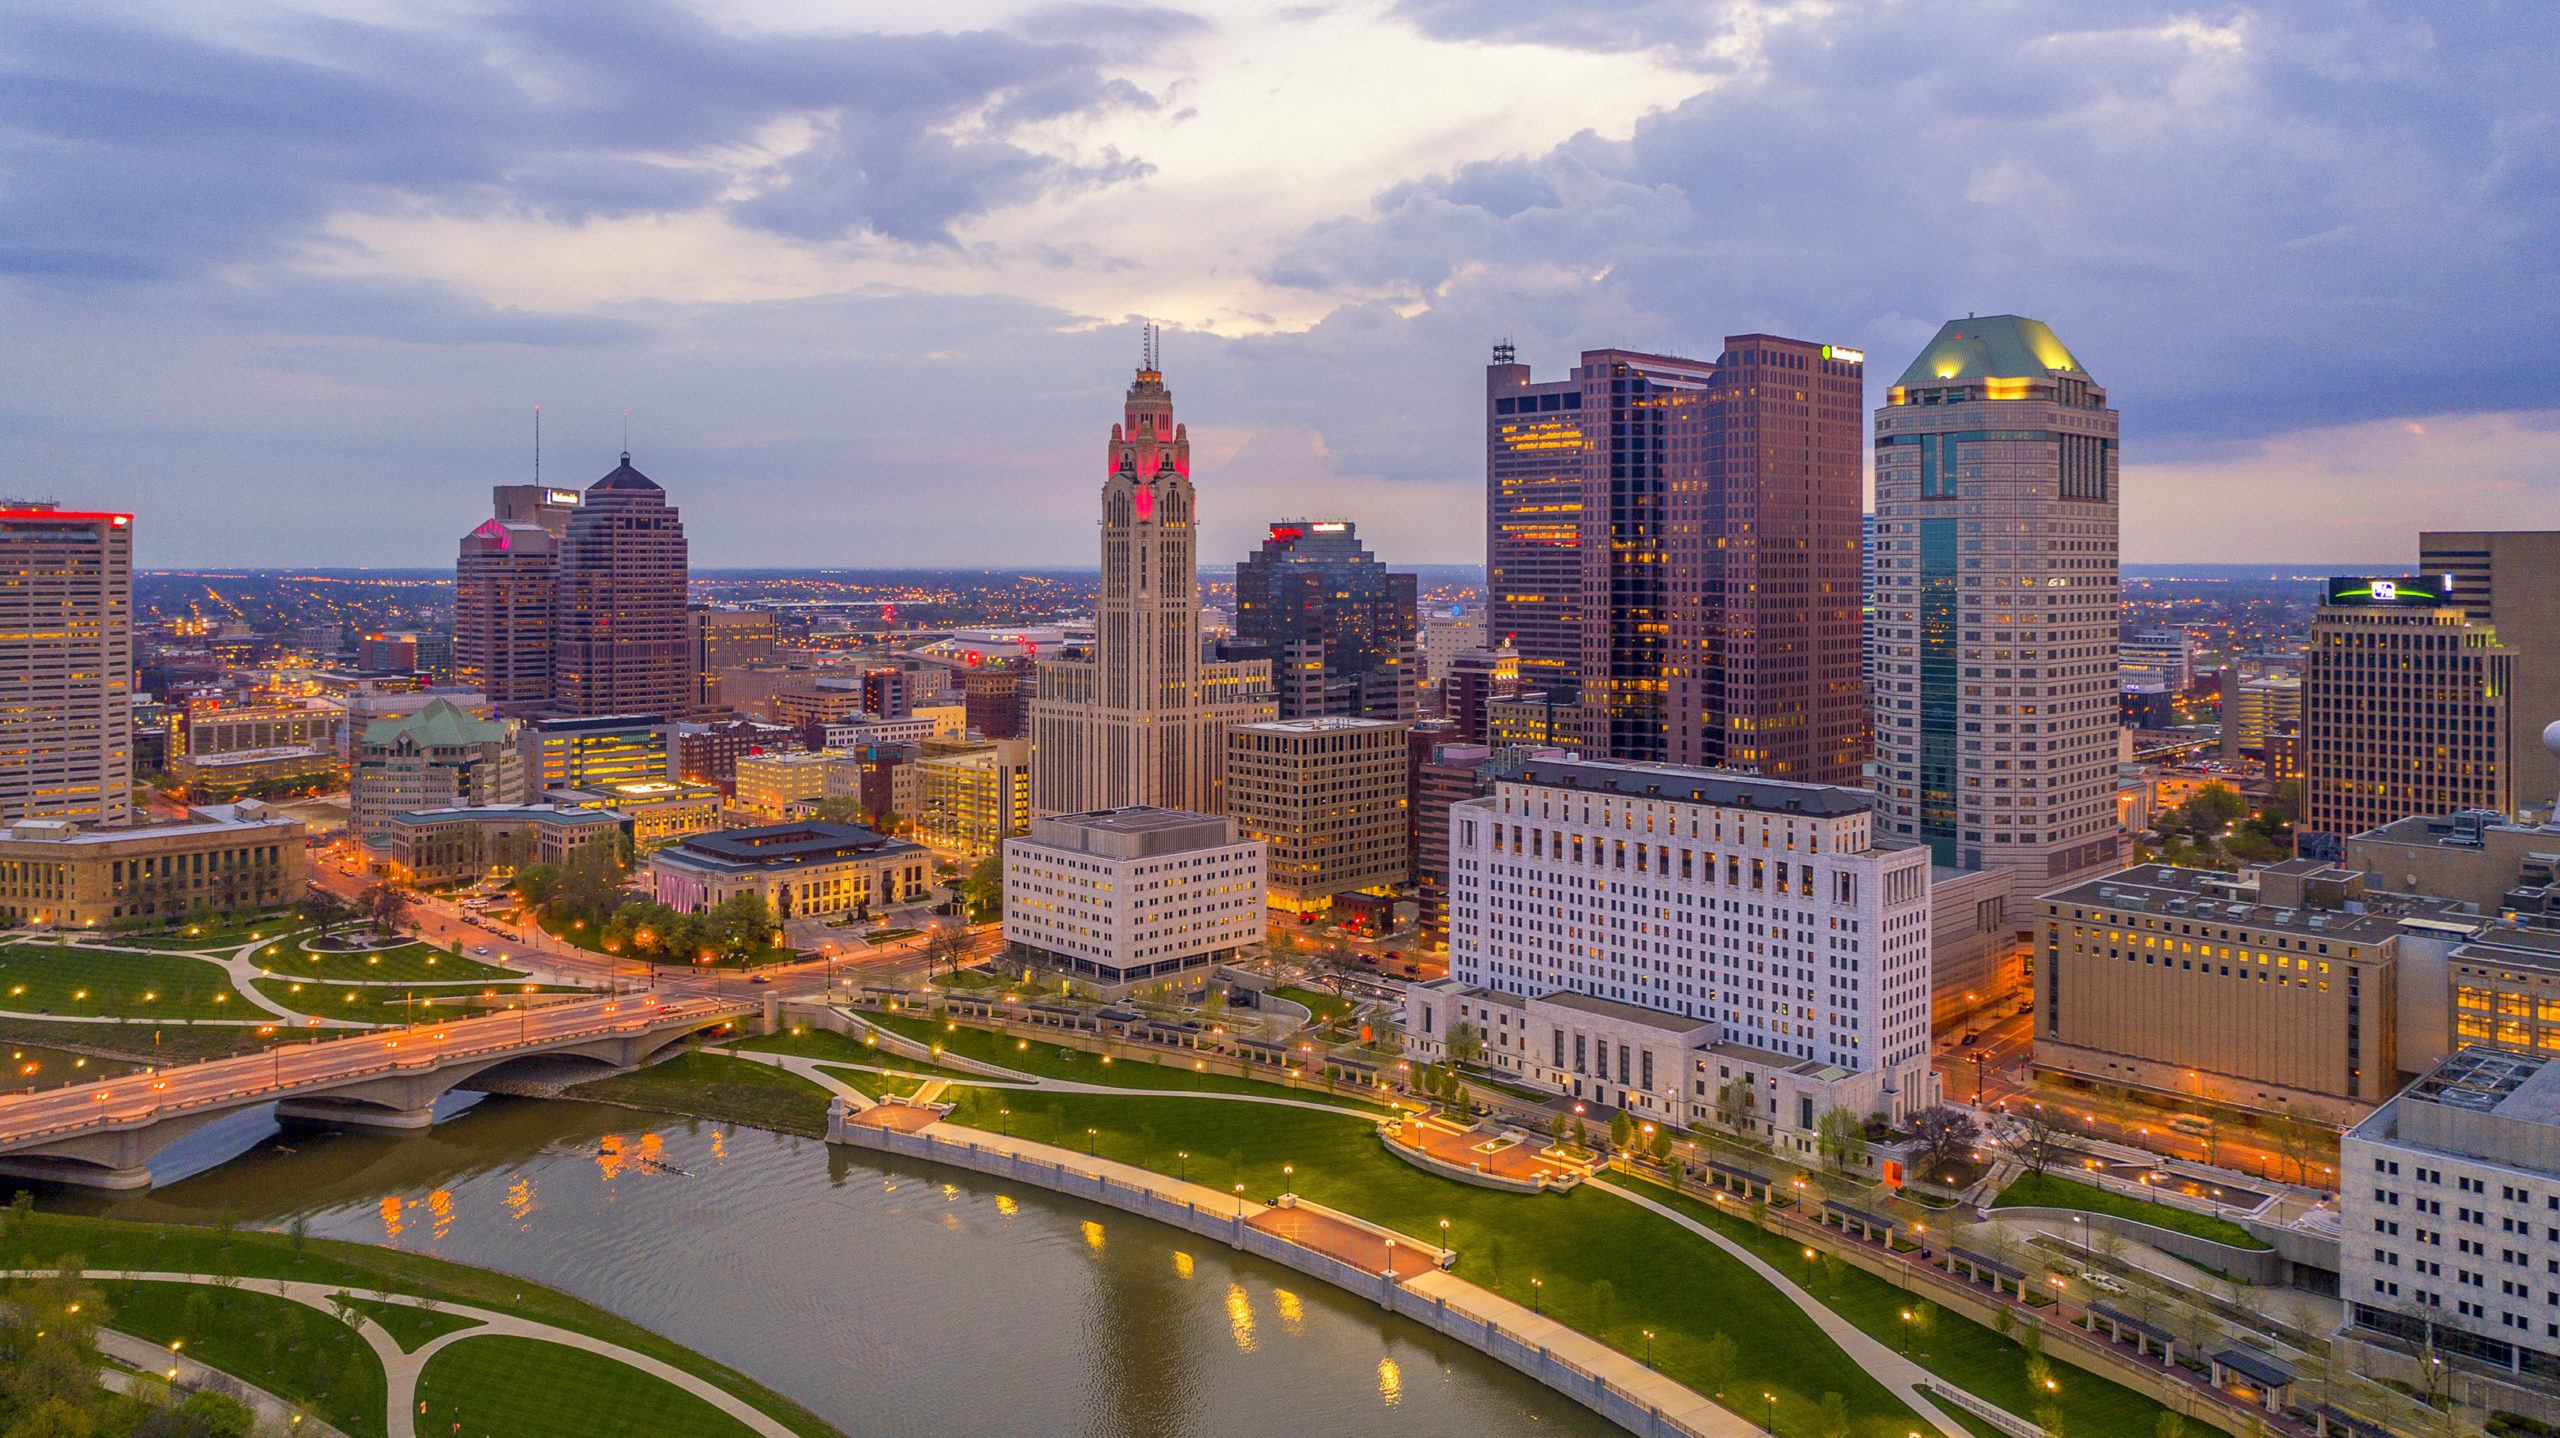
66	664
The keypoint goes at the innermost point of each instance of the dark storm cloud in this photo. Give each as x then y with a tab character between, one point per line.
128	152
2250	219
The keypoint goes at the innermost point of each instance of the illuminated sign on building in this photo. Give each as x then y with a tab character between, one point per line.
1331	527
2411	591
1845	356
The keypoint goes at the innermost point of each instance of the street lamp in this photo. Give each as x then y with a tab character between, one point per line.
1769	1415
1537	1295
1391	1259
1091	1141
1648	1348
1004	1122
1182	1170
1906	1330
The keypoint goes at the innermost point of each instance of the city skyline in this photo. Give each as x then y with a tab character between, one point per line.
435	241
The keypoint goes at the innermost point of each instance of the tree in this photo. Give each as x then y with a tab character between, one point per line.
2039	1138
324	910
1924	1321
1661	1145
2298	1140
387	905
1466	1042
1947	1134
1622	1130
1841	1136
2170	1425
1831	1417
1733	1103
984	889
945	945
536	883
843	809
1715	1363
742	923
1560	1126
2049	1417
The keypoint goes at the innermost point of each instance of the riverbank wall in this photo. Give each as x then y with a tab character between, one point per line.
1581	1368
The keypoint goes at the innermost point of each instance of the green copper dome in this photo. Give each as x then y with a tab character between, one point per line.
1991	347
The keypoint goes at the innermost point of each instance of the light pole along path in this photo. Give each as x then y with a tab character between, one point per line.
400	1370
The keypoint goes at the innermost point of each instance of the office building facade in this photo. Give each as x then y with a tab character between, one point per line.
505	586
725	639
801	869
436	757
1997	606
2405	710
1338	628
1141	719
66	664
619	641
1132	899
582	753
2509	582
972	802
1534	437
1327	799
58	872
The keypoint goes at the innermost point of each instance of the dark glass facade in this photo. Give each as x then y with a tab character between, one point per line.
1338	627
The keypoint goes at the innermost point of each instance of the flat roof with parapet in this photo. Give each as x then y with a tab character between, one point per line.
1625	1013
1136	819
1680	784
783	844
541	813
2165	891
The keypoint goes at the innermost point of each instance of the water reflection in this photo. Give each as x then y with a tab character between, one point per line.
893	1299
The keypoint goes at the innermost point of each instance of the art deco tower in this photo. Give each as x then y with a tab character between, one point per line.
619	630
1142	720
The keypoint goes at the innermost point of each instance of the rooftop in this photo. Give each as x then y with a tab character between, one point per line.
778	845
1990	347
440	725
202	819
535	813
1693	786
1329	724
1625	1013
2211	896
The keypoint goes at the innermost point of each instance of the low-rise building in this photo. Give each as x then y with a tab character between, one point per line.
2449	1199
803	869
861	729
433	759
231	856
580	753
974	801
2275	989
661	811
1327	795
779	788
442	846
1123	900
254	773
707	753
2477	856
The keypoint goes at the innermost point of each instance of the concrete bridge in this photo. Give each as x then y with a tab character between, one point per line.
101	1135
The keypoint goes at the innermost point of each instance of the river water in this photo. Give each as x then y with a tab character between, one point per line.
890	1298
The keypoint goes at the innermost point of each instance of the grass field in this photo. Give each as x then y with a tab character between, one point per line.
111	1244
1966	1354
716	1086
1589	1259
407	962
876	1085
299	1354
44	979
2051	1191
837	1048
390	1003
525	1388
207	935
177	1043
33	1067
1324	1006
1050	1060
408	1325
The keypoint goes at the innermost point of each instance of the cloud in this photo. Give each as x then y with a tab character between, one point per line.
132	152
2267	218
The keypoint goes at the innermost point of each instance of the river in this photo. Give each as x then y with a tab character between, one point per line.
890	1298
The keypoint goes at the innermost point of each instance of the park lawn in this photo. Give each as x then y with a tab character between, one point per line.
207	936
390	1003
115	1244
2050	1191
31	1066
77	983
1049	1060
877	1086
299	1354
176	1044
1602	1265
527	1388
1323	1005
809	1043
719	1087
410	1326
409	962
1964	1353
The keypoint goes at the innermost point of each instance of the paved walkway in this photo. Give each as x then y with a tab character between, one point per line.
155	1358
401	1370
1898	1373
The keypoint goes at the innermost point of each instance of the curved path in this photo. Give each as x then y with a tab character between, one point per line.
1906	1378
401	1369
993	1077
155	1358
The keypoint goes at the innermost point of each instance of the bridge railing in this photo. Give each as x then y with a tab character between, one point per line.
274	1083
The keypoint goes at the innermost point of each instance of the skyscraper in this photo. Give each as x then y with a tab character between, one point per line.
619	646
1141	719
1533	438
2405	710
723	639
1337	627
2510	581
503	591
1996	604
1764	589
66	665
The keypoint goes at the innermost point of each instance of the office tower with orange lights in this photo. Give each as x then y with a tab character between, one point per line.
619	645
503	590
66	668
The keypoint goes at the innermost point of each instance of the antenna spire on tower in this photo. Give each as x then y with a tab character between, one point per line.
537	444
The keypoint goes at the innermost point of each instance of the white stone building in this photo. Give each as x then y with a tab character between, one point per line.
1124	899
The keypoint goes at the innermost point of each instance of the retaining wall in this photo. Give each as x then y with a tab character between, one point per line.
2265	1267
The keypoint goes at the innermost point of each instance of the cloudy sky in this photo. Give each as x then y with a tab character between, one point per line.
289	280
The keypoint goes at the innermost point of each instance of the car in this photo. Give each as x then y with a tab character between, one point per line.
482	951
1971	1038
760	978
